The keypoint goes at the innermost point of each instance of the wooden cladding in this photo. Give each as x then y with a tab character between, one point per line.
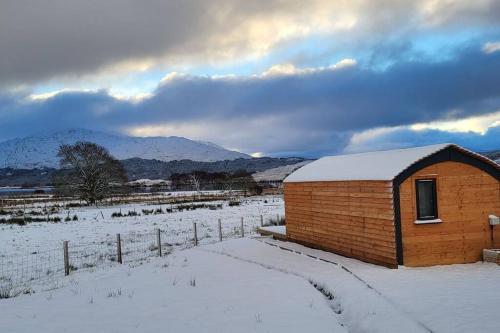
466	196
352	218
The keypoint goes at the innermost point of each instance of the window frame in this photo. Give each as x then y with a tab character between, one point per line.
434	196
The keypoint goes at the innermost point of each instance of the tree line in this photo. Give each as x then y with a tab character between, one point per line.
88	171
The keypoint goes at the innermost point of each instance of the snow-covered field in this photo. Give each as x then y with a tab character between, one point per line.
246	285
95	223
34	251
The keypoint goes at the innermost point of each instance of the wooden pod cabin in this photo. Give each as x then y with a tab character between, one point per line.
416	207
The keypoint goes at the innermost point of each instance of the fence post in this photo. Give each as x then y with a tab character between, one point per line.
220	230
158	238
242	229
66	258
195	234
261	221
119	249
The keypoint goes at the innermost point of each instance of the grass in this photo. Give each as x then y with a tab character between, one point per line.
179	208
28	219
276	221
9	291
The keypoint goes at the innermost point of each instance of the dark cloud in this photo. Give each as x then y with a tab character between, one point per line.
46	39
43	39
308	111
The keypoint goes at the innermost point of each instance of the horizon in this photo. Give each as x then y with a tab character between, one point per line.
289	79
305	157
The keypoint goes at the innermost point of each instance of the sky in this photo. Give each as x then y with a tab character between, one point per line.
267	78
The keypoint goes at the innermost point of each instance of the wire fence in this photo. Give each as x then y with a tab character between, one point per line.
19	272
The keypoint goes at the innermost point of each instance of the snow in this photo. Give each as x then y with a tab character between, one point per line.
433	221
448	298
279	173
95	223
278	229
378	165
247	285
149	182
41	150
190	291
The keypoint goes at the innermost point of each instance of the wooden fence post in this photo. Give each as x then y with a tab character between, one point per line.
261	221
195	234
119	249
220	230
242	229
66	258
158	238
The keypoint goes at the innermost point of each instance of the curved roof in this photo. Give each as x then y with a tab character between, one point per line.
377	165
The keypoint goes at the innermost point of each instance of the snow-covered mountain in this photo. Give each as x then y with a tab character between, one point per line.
41	150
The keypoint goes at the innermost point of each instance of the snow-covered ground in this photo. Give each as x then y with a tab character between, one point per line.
278	229
448	298
246	285
96	223
33	252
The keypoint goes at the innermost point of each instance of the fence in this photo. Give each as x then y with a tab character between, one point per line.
18	272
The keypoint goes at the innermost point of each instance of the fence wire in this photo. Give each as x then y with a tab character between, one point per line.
22	271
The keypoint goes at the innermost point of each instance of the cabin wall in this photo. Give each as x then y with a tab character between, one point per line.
466	196
351	218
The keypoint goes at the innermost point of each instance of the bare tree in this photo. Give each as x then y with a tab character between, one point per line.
89	170
196	182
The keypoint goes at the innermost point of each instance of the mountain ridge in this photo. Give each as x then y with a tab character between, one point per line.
40	150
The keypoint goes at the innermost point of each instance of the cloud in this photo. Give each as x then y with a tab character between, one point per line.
491	47
60	39
290	69
479	124
303	111
403	137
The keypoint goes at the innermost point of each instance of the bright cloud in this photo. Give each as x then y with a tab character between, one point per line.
480	133
478	125
491	47
290	69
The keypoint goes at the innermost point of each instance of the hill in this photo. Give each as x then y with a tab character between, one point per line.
40	151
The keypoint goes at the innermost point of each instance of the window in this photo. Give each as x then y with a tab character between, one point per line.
426	199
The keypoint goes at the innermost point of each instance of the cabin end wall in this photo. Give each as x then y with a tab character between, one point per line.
466	195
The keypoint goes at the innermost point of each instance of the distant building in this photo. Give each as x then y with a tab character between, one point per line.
271	180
